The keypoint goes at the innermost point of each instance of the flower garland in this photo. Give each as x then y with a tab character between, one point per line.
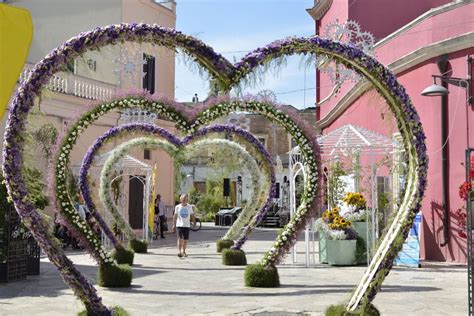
259	188
154	130
309	149
101	141
65	205
227	76
115	156
118	153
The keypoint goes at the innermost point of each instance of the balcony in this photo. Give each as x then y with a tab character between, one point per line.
75	85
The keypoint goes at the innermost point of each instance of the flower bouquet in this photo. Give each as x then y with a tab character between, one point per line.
337	245
356	207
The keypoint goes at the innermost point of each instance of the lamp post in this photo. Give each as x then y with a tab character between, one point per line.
442	90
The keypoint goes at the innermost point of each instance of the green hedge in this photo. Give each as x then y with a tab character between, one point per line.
116	311
257	275
122	255
222	244
114	276
340	310
139	246
231	257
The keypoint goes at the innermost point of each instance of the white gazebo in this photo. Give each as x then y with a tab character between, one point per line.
345	141
128	167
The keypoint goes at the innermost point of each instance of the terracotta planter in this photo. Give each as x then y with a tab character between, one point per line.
341	252
322	248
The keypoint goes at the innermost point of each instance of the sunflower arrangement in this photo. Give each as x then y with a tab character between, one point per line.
334	226
357	207
340	223
356	200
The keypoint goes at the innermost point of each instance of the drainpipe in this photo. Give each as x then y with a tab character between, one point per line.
318	85
443	67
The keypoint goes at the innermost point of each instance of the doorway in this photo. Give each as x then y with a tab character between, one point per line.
135	201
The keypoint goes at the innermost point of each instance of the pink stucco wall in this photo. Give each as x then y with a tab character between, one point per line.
382	17
366	111
434	29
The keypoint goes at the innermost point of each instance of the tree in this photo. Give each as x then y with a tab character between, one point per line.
336	185
46	136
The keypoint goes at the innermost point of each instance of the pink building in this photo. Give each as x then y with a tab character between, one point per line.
415	39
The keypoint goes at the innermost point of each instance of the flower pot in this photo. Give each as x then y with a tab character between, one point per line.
341	252
322	248
361	229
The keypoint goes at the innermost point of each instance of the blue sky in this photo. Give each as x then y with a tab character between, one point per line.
234	27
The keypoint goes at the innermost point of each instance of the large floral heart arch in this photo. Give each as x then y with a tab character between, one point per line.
227	76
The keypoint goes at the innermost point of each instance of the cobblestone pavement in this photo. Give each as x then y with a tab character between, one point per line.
167	285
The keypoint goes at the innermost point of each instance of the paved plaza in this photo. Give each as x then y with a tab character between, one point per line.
200	284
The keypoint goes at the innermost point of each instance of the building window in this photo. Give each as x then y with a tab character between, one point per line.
92	64
147	154
149	73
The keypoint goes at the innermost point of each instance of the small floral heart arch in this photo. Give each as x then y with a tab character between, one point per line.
169	143
227	75
258	187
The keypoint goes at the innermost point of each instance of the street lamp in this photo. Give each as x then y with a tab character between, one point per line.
441	90
437	90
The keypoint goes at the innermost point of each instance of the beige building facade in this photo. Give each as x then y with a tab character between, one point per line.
97	76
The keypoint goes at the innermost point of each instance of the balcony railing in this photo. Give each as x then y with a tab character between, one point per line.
76	85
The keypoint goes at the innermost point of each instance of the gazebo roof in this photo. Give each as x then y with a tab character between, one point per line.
355	138
126	162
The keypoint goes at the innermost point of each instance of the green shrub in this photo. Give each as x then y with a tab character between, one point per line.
139	246
340	310
335	310
122	255
257	275
116	310
208	217
234	257
223	244
114	275
212	200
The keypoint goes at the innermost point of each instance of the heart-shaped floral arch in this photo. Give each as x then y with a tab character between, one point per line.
152	130
248	163
227	76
